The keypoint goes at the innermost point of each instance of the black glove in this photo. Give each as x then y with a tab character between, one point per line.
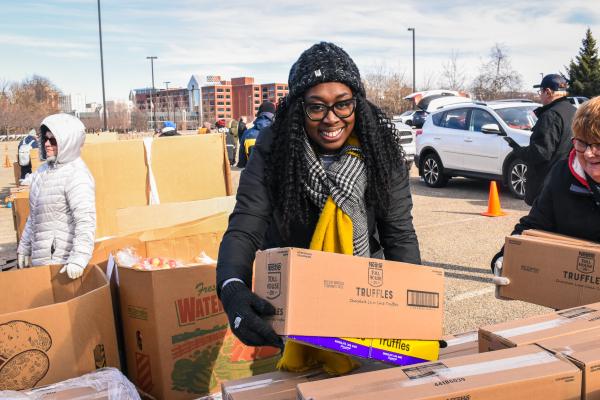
511	142
245	311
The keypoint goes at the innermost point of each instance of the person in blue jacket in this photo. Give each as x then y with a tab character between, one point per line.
264	118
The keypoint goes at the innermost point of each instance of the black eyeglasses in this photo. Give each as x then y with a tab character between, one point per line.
341	109
581	146
52	140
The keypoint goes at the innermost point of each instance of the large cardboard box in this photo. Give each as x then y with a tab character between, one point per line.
184	168
20	210
583	350
281	385
521	373
326	294
542	327
177	340
540	265
460	344
53	328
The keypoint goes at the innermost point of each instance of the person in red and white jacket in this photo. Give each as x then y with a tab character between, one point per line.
569	202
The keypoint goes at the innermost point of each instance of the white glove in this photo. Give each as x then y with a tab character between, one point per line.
73	271
498	279
23	261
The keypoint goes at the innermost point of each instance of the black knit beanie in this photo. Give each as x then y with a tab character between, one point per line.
323	62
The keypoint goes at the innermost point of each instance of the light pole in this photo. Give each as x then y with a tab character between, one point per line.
102	65
169	103
152	58
413	37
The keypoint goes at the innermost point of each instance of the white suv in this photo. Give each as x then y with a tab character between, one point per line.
468	139
407	140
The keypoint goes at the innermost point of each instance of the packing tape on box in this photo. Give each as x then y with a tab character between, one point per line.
472	337
480	368
268	382
522	330
437	371
154	199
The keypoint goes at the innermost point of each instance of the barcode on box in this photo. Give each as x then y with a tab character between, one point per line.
418	298
424	370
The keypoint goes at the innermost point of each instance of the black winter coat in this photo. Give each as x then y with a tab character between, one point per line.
549	143
254	225
565	205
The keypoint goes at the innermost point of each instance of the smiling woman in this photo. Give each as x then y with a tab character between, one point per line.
569	202
330	175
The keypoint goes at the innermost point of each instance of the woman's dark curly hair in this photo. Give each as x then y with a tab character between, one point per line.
285	168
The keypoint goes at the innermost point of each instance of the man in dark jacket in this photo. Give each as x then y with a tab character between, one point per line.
551	137
264	118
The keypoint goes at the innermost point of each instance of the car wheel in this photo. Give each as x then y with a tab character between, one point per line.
516	178
433	171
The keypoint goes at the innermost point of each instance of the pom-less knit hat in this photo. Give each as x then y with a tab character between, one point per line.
323	62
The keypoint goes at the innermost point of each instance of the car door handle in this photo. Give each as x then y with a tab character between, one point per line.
468	139
437	137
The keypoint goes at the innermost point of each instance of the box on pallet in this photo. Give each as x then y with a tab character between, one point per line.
541	264
53	328
177	340
534	329
527	372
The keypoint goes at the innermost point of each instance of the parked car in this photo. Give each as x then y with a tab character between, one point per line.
407	140
405	117
467	139
577	100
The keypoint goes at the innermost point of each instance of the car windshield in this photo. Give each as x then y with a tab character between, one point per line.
518	117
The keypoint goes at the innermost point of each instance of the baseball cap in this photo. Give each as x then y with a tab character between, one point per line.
553	82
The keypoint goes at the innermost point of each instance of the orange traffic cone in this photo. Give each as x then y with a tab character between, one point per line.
7	162
494	209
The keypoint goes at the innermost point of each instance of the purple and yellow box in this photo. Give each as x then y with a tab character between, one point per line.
394	351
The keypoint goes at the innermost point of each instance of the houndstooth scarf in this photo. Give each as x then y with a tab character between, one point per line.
345	181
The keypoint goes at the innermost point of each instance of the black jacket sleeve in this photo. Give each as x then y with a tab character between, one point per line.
544	139
249	220
394	225
541	216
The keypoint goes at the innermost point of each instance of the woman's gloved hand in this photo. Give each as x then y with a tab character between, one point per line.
23	261
74	271
498	279
245	311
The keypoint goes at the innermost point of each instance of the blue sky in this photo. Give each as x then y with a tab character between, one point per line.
58	39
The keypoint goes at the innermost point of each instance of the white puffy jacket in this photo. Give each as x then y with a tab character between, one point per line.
62	222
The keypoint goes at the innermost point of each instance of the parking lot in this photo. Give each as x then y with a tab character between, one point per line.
452	235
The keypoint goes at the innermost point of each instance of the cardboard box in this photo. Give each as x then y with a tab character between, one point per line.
177	340
460	344
326	294
104	384
20	210
394	351
185	168
583	350
53	328
281	385
521	373
542	327
541	265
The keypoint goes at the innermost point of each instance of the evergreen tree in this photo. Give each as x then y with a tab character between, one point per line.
584	71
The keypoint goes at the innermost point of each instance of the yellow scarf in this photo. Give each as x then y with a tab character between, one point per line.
333	234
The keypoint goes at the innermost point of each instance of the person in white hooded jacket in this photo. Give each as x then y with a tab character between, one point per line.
62	222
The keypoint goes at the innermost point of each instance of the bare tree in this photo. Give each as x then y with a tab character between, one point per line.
139	120
453	78
496	78
428	81
386	89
